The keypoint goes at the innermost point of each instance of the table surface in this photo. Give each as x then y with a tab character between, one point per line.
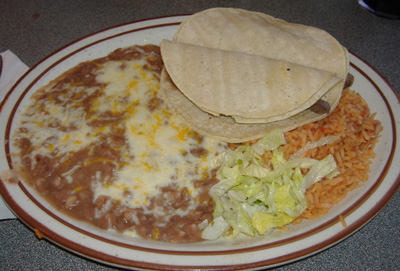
34	29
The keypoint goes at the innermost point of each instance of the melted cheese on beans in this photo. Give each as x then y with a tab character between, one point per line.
158	147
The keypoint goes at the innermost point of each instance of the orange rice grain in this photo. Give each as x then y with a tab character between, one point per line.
359	132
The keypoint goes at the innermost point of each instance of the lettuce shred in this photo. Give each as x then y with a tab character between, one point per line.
253	197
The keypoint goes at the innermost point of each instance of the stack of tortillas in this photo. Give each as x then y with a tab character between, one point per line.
237	75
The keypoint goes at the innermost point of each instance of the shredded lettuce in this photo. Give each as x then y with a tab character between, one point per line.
253	197
311	145
216	228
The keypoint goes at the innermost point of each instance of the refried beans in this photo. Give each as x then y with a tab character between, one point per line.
100	145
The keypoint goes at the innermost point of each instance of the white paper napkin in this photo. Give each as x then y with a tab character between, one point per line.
13	69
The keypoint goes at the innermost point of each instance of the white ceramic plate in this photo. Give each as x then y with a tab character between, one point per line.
305	239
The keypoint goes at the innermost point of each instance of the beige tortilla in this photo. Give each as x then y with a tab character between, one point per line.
241	85
260	34
257	34
221	127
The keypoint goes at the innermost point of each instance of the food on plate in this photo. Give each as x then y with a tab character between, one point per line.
348	135
252	34
126	143
100	144
243	86
254	197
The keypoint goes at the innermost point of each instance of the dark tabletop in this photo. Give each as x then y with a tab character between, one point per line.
34	29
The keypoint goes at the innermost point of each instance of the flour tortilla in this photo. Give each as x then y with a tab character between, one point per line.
255	34
221	127
241	85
